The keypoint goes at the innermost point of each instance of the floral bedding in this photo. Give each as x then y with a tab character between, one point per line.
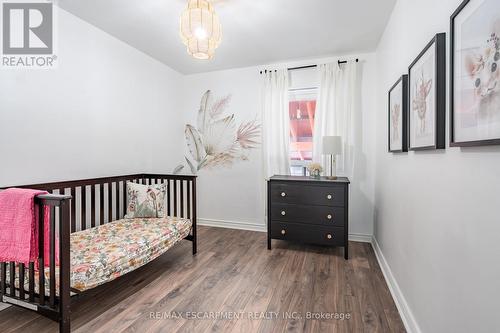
106	252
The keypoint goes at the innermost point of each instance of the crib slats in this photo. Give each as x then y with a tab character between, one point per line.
52	256
117	201
93	205
41	263
12	268
124	197
31	280
101	204
182	198
168	196
175	197
110	203
73	209
84	207
21	281
189	199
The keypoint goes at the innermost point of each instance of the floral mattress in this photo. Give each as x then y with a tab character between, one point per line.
106	252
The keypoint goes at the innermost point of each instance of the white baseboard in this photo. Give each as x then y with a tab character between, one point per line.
405	312
232	224
3	306
365	238
263	228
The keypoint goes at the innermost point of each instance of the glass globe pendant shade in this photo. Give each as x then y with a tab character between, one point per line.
200	29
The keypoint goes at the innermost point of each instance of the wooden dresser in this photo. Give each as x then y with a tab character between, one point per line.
308	210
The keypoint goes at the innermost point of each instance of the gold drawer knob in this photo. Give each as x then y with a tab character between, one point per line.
283	231
329	236
329	197
329	216
283	213
283	194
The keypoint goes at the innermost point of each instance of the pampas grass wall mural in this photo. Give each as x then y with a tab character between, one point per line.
217	141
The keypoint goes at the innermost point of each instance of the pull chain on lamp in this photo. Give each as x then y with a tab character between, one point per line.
200	29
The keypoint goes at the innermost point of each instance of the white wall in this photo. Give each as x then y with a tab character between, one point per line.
235	196
107	109
436	212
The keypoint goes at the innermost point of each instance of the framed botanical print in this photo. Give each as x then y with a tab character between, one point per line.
474	74
398	112
427	96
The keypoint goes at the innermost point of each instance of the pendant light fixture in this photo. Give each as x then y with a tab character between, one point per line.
200	29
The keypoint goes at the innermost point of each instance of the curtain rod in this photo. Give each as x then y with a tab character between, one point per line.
308	66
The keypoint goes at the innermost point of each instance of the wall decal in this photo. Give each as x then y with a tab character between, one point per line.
217	141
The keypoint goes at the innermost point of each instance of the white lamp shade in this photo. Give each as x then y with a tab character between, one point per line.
200	29
332	145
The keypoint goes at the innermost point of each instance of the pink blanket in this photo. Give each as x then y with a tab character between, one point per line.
19	227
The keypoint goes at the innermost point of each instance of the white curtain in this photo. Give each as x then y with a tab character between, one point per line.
276	123
335	114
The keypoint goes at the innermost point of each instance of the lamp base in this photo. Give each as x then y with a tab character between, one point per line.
332	167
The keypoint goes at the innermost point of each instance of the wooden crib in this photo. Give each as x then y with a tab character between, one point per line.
69	203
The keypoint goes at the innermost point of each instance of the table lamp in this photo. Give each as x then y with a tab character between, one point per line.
332	145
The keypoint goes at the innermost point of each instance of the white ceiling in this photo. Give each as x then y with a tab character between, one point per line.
255	32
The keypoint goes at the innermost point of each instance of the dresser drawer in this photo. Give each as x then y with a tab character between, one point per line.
322	215
307	194
307	233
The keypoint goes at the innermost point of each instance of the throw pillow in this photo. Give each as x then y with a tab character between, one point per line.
145	200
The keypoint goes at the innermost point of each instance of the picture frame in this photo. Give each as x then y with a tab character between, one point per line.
474	76
427	97
397	130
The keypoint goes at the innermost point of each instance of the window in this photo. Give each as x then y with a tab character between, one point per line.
302	107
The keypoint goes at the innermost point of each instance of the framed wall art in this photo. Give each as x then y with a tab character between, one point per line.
474	74
398	112
427	96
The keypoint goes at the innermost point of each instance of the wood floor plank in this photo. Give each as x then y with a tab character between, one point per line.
193	292
323	296
240	292
380	287
213	300
128	311
169	268
373	319
283	292
234	272
302	300
13	318
263	291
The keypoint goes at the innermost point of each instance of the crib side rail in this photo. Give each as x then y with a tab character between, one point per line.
52	303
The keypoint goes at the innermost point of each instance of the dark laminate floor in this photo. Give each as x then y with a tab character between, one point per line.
234	273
